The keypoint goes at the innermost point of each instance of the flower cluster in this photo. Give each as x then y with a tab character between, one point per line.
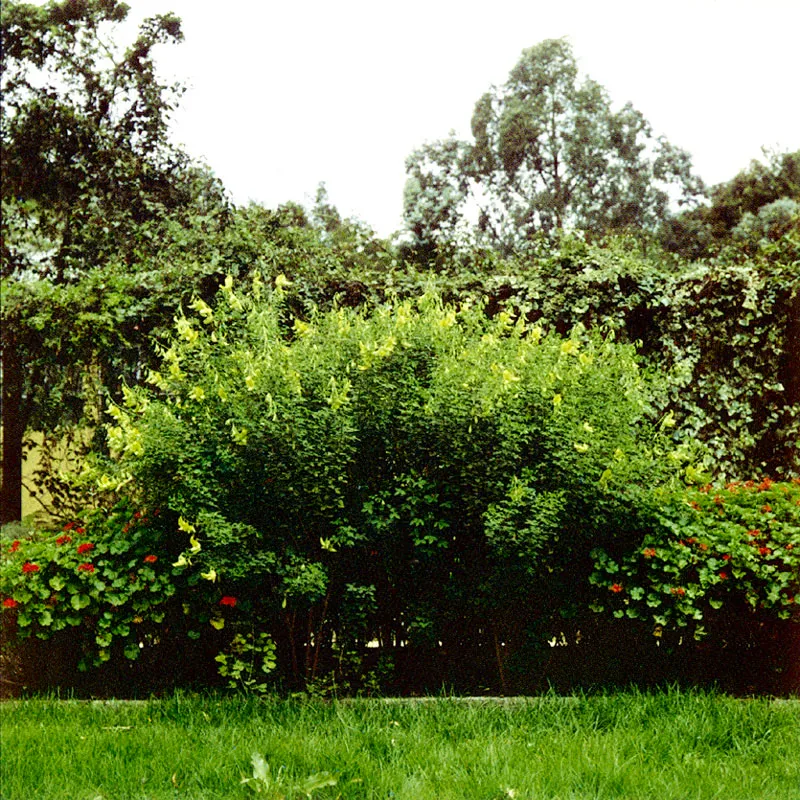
713	543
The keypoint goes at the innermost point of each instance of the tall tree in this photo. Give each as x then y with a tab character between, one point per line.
90	187
86	157
548	153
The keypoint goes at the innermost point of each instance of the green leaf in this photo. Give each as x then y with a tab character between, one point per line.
80	601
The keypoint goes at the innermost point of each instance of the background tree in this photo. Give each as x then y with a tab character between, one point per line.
548	153
91	190
761	202
86	158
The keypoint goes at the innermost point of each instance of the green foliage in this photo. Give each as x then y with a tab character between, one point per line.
549	153
277	786
109	576
247	656
711	551
361	469
741	209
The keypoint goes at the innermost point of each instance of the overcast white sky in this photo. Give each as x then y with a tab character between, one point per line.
284	95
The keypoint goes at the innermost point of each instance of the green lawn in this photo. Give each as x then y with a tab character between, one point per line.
628	745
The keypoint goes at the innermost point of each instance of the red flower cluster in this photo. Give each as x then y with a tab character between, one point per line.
228	601
649	552
151	559
10	602
765	485
764	551
616	588
69	526
63	539
85	548
86	567
723	575
766	509
14	546
679	591
718	499
29	567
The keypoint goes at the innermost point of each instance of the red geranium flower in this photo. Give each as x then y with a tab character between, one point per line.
10	602
14	546
726	557
86	567
723	575
80	530
703	546
679	590
616	588
767	508
64	539
228	601
649	552
691	540
718	499
765	484
695	506
755	533
29	567
765	551
150	559
69	526
85	548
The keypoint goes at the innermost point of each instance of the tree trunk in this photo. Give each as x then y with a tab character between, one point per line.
13	424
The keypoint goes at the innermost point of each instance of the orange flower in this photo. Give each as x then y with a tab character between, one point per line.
678	590
86	567
723	575
766	509
616	588
649	552
10	602
151	559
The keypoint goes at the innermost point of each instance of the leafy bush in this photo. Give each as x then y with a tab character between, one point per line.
108	575
399	475
712	551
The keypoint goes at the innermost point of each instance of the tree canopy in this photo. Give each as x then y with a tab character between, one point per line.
86	158
548	153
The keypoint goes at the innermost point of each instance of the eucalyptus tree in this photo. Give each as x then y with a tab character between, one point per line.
548	153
